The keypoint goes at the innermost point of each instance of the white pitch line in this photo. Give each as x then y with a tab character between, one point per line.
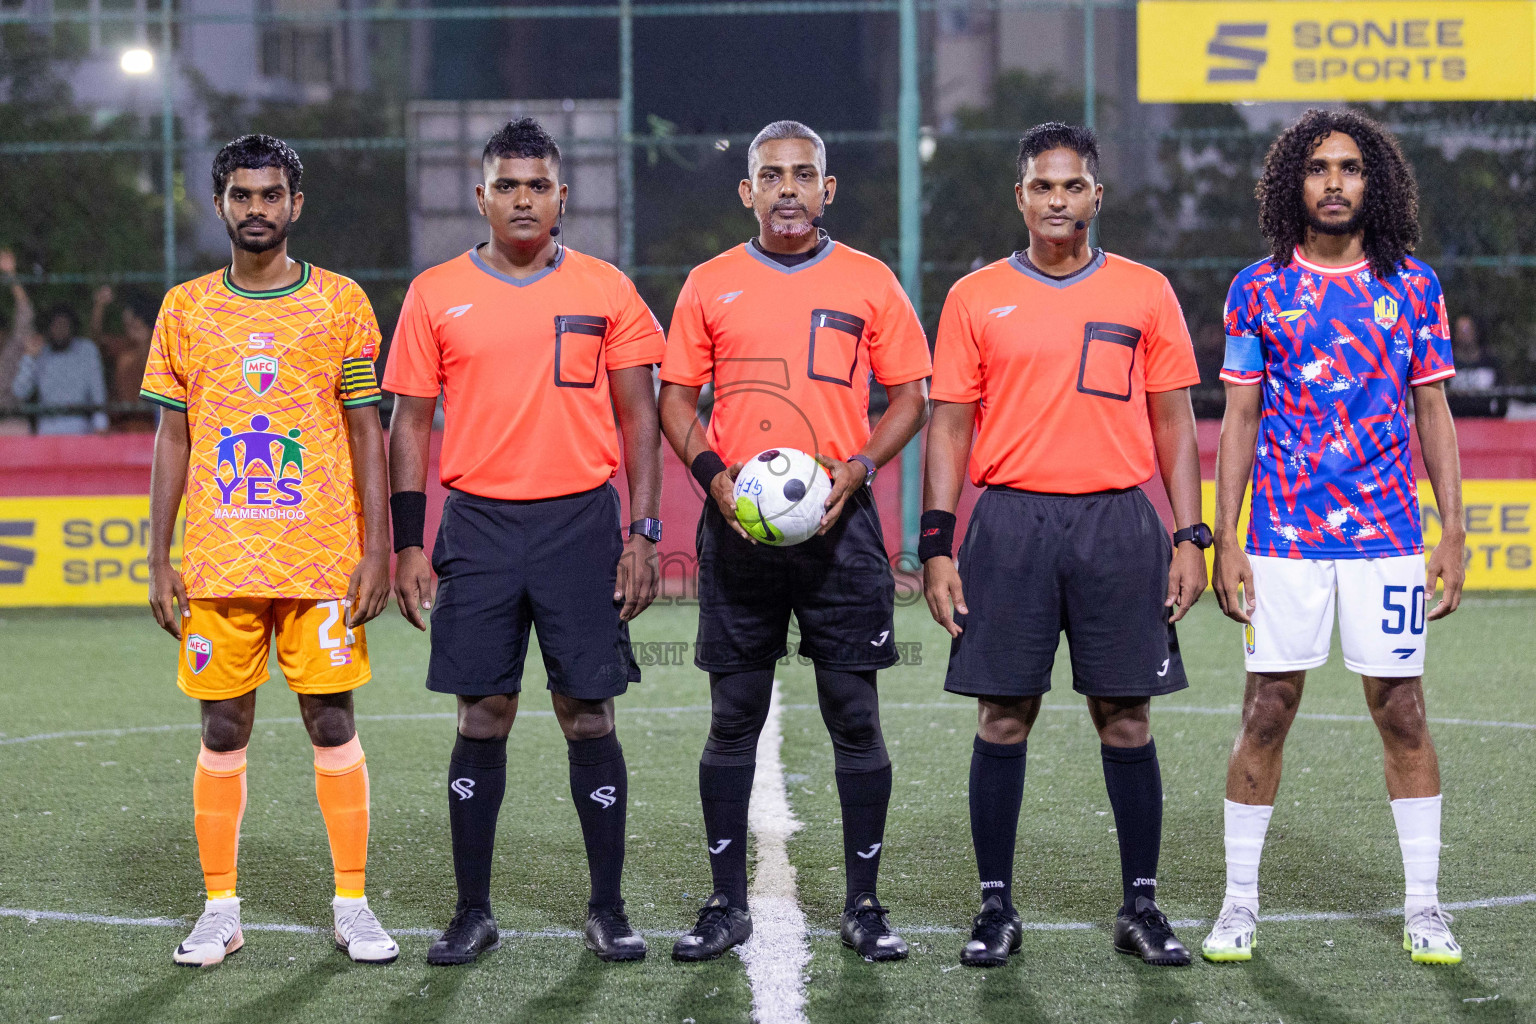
777	953
1173	709
78	734
32	916
1189	709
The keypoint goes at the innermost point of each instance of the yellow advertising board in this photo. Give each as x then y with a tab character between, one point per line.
1501	530
93	551
1208	51
76	551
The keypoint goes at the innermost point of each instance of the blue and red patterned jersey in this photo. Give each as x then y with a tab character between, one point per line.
1336	350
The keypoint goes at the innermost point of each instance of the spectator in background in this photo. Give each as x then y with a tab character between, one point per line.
13	345
1476	372
124	356
62	370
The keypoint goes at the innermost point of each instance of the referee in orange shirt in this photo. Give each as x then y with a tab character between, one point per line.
789	327
1074	367
535	348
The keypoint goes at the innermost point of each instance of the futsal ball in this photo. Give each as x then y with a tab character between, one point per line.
781	495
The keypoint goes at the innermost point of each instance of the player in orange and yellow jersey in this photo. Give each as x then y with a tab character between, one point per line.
264	374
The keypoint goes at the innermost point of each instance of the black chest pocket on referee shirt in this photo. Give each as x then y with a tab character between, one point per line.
1108	359
834	346
578	350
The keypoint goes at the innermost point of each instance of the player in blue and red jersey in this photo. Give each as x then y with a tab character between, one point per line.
1326	341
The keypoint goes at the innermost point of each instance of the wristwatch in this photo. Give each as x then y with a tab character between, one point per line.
870	469
650	529
1199	533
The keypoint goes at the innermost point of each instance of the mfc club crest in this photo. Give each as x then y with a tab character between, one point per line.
1385	312
267	466
199	652
260	373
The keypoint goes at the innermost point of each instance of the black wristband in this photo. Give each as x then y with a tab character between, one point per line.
408	516
706	466
936	535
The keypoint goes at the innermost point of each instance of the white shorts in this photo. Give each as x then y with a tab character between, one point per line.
1381	614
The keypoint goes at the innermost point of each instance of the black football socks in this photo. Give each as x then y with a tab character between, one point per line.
477	779
997	791
600	790
725	791
1135	784
865	797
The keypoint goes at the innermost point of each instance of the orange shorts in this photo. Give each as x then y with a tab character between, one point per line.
225	642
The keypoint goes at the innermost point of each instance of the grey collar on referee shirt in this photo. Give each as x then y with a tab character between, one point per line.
520	282
1099	259
752	251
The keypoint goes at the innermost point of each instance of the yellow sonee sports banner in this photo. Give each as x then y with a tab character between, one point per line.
94	551
76	551
1501	530
1205	51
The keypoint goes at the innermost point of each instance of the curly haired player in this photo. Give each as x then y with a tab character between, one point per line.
1326	340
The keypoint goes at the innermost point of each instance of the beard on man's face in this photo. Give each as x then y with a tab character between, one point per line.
1348	226
278	235
798	228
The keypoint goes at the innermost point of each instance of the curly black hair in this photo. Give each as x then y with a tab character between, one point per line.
1055	135
524	137
252	152
1390	212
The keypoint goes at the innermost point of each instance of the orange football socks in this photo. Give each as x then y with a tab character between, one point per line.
218	804
341	784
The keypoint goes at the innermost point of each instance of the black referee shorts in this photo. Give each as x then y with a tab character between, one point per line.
839	587
1094	565
505	566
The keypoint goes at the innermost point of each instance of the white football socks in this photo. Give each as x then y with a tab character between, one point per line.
1246	825
1418	834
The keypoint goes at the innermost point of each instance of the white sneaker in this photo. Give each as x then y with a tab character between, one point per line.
360	934
1232	937
215	936
1427	936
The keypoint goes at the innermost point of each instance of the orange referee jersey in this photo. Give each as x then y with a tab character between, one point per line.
522	365
790	349
1061	369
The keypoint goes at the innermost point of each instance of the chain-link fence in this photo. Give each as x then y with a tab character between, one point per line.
112	109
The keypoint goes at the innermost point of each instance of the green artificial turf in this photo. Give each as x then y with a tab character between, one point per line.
101	825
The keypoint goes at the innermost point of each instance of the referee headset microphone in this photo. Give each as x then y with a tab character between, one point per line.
826	198
1080	225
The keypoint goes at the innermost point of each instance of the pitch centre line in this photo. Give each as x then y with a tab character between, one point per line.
777	953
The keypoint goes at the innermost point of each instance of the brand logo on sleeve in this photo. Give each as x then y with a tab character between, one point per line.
1290	316
260	373
199	652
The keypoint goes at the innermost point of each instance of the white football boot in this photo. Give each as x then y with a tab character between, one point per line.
215	936
360	934
1231	939
1427	936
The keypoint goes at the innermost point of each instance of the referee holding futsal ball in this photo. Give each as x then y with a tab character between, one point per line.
789	327
1075	366
535	348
